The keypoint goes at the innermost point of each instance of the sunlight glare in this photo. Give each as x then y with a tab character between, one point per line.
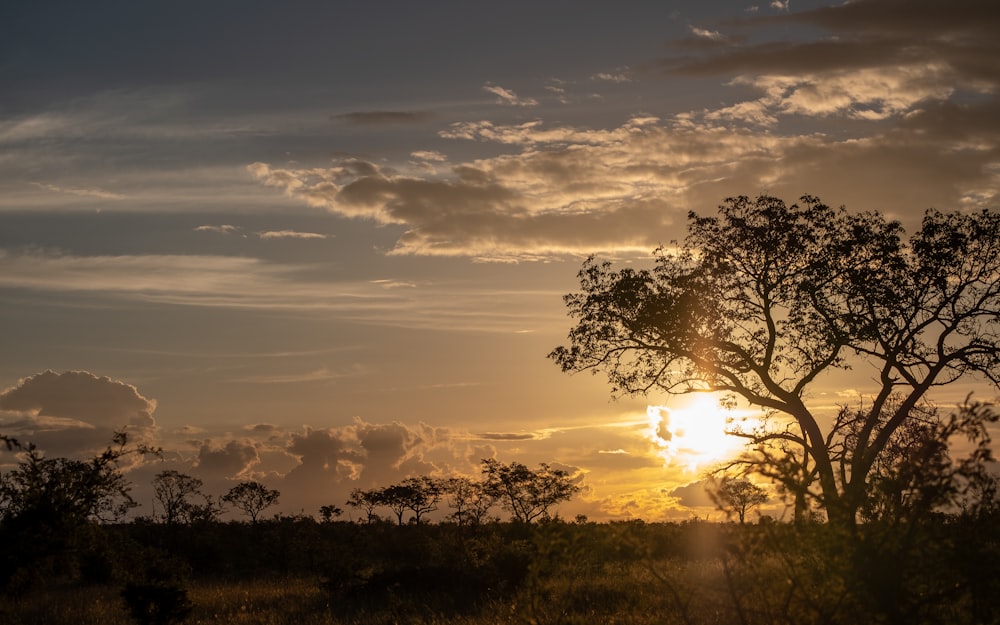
693	436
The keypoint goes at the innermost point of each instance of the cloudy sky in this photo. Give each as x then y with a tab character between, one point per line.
324	244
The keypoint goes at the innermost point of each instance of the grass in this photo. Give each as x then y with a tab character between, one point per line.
561	574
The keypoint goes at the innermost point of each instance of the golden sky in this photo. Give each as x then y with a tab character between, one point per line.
324	245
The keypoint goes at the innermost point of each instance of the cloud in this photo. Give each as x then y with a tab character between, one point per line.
567	190
290	234
380	118
220	229
893	91
619	77
79	395
74	413
508	97
429	155
693	495
226	282
235	458
319	375
82	192
870	34
512	436
703	33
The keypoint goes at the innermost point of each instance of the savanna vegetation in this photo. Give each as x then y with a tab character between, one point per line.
896	502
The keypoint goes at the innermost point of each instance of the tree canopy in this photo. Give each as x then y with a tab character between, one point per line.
251	498
527	494
761	299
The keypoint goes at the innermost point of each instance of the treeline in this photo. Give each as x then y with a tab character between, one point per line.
526	494
57	514
63	525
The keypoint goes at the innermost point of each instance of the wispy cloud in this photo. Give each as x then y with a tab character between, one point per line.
704	33
290	234
513	436
80	191
219	229
508	97
379	118
317	375
429	155
619	77
253	284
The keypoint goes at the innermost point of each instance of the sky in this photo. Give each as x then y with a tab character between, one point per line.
324	245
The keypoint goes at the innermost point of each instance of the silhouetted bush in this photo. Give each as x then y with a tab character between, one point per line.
158	603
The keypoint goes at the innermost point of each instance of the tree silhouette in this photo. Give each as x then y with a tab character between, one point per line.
469	499
419	495
251	498
174	490
49	507
366	501
527	494
759	301
329	512
740	496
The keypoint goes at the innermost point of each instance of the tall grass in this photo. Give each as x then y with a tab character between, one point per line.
569	574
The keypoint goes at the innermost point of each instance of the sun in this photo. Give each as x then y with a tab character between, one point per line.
693	436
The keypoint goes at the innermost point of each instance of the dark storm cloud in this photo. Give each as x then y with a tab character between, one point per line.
380	118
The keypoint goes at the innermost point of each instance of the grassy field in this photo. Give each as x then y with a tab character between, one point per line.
554	573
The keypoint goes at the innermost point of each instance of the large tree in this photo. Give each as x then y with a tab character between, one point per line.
760	300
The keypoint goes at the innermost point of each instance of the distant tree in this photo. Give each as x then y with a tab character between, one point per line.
425	494
469	500
394	497
739	496
418	495
365	501
174	492
329	513
208	510
761	300
251	498
527	494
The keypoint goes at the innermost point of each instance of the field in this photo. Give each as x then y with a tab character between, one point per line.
298	571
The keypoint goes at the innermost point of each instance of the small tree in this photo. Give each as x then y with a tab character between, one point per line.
740	496
366	501
527	494
174	491
251	498
394	497
469	499
419	495
425	493
329	513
